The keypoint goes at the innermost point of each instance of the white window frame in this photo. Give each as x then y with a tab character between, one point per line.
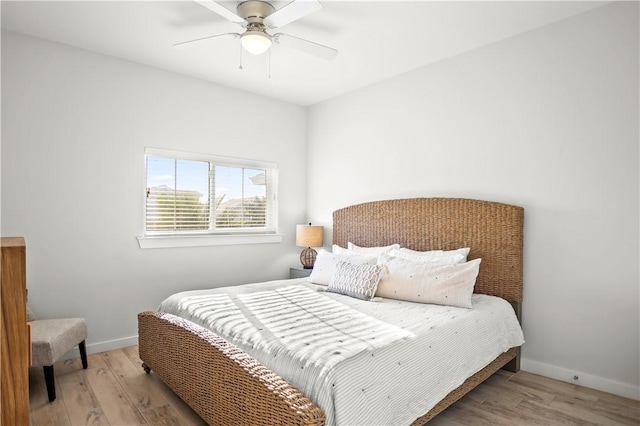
269	234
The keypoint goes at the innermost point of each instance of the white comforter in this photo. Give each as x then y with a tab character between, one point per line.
424	351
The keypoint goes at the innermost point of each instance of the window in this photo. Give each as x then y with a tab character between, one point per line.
196	195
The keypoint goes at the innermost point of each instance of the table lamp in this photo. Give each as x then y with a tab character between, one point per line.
308	236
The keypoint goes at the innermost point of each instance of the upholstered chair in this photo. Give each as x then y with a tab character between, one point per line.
51	339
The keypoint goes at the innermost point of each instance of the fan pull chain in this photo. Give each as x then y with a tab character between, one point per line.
269	63
240	44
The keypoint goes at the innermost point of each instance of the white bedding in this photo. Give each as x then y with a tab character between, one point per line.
293	323
392	382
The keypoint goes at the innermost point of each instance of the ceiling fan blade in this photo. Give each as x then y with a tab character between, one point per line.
188	43
306	46
291	12
222	11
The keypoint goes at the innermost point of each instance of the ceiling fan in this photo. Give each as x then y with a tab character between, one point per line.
258	18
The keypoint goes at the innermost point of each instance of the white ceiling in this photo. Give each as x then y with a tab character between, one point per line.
376	39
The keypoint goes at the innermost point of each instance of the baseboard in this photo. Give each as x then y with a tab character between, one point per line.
109	345
579	378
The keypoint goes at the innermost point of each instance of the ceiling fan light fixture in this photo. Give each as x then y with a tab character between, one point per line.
255	42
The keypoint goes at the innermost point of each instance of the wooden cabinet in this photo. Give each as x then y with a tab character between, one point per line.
16	347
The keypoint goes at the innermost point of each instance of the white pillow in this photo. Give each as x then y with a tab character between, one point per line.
421	253
359	281
372	250
439	260
326	263
450	285
446	257
336	249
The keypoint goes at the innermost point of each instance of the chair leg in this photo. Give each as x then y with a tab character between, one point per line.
83	354
51	384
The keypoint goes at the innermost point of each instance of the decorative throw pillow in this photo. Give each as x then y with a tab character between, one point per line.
359	281
420	282
326	263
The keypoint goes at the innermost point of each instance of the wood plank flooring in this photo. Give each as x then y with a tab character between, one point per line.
114	390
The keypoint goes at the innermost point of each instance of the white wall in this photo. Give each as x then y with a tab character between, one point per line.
74	128
547	120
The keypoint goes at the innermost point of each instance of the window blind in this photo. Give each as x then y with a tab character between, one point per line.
191	196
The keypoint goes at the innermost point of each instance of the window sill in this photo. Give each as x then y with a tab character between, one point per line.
170	241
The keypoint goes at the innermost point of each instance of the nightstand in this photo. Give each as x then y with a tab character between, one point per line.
299	272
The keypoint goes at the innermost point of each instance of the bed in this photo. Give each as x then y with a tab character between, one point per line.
225	385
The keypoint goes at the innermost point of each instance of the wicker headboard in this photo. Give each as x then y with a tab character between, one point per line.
492	230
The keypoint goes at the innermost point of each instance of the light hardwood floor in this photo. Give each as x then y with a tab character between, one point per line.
114	390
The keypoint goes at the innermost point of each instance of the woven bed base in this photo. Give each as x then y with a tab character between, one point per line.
224	385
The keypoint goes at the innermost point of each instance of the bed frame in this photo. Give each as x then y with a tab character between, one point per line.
224	385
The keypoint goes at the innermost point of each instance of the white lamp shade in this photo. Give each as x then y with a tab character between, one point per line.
309	236
255	42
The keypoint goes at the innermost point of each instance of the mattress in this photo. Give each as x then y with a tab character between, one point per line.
422	351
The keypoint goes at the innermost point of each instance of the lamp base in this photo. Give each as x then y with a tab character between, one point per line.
308	258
